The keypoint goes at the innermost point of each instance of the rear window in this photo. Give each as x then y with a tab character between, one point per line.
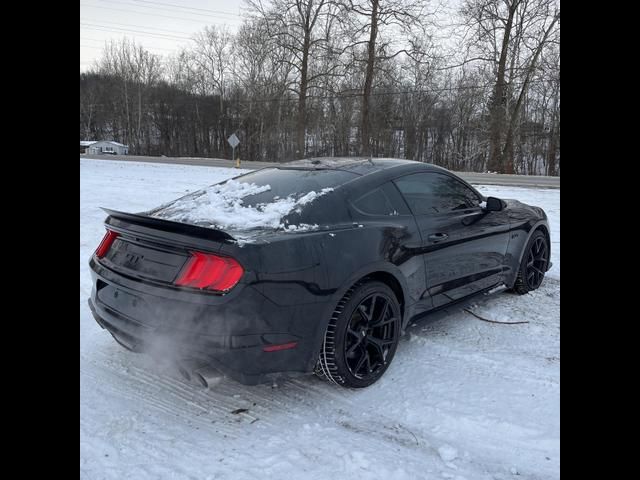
267	198
286	182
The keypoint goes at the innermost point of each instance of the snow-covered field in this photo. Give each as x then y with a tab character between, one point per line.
463	398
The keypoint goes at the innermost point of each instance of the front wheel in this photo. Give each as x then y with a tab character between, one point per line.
362	336
535	262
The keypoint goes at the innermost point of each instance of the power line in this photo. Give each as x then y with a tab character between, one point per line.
172	17
171	10
124	33
146	48
93	26
132	25
189	8
158	15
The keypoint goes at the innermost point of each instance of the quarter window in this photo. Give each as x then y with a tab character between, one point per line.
374	203
432	193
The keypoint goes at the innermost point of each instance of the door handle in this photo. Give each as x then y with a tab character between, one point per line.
437	237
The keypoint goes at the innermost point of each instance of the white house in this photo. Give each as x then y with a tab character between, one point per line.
84	144
106	146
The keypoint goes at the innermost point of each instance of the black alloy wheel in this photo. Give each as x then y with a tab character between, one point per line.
362	336
534	265
371	332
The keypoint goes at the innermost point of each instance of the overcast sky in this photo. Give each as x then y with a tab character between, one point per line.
161	26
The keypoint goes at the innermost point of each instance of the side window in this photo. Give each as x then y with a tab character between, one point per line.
374	203
431	193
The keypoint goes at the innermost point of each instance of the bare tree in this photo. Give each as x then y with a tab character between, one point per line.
511	35
366	18
263	95
211	59
137	69
302	27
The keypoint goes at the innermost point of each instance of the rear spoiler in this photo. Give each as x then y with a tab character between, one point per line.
120	219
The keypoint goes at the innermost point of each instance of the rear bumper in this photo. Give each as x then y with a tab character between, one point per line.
228	332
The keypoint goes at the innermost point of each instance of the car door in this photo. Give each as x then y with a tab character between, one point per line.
399	242
463	245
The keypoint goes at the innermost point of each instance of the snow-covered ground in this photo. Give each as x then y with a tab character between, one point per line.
463	398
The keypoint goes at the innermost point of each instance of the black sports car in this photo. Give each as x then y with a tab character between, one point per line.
314	266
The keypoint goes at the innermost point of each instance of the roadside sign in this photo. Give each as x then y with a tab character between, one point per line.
233	140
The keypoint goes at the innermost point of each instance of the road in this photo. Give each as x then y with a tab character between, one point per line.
471	177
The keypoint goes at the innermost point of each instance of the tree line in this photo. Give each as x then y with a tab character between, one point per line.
386	78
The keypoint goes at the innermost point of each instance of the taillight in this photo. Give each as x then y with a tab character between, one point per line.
204	270
106	243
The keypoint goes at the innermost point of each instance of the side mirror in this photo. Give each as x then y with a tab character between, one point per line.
493	204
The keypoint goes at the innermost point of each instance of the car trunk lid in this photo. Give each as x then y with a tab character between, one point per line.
156	249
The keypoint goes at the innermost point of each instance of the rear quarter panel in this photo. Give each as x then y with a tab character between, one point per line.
362	249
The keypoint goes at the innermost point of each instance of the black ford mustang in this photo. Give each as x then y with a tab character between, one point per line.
314	266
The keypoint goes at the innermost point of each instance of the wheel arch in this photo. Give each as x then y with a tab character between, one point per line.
542	226
545	229
384	272
391	281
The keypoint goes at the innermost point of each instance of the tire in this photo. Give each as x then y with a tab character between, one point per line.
362	336
534	264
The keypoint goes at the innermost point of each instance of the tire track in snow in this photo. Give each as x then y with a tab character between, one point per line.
167	394
174	396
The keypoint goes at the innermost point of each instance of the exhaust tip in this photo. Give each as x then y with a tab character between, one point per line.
196	372
207	376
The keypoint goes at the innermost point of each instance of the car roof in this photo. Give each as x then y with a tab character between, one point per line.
358	165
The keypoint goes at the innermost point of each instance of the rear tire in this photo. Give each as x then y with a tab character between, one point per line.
534	264
362	336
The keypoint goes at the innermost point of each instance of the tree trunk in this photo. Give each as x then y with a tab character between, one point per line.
507	155
499	103
139	125
368	82
551	153
127	135
302	100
